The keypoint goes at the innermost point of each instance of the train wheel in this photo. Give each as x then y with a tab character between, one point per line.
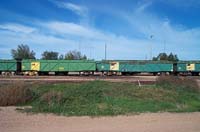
13	73
155	73
92	73
65	73
164	73
195	74
119	73
123	73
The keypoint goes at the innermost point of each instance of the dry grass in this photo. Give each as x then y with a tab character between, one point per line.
178	83
14	93
52	96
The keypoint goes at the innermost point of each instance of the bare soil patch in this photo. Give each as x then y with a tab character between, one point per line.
14	121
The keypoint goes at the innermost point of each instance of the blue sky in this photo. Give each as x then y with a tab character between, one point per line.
86	25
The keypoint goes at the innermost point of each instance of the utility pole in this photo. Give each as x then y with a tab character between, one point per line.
91	51
145	57
79	45
151	52
164	46
105	51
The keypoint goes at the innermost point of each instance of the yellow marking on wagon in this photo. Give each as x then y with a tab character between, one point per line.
35	66
114	66
190	67
61	68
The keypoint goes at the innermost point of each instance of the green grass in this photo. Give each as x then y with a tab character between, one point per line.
99	98
105	98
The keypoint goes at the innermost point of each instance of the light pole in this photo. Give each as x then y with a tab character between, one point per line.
151	37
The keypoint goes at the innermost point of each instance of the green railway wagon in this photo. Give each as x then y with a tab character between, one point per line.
159	67
103	66
58	65
181	67
8	65
116	66
145	66
134	66
108	67
192	67
131	67
197	67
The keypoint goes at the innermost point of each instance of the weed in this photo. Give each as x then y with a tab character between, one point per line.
15	93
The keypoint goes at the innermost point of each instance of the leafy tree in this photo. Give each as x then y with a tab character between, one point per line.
75	55
84	57
155	59
50	55
172	57
22	52
164	56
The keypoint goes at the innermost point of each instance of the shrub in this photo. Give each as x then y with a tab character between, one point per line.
14	94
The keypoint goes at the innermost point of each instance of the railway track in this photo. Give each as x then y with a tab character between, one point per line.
134	79
140	80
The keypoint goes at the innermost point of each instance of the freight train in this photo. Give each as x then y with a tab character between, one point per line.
105	67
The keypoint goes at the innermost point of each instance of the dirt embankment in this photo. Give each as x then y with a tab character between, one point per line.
13	121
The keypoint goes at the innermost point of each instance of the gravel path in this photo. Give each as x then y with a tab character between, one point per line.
13	121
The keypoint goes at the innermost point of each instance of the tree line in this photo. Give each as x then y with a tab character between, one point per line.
24	52
166	57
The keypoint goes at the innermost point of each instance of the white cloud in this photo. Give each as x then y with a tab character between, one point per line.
178	38
64	28
92	40
62	36
17	28
149	24
78	9
142	7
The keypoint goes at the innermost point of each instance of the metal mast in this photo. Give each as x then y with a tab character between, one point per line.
105	51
